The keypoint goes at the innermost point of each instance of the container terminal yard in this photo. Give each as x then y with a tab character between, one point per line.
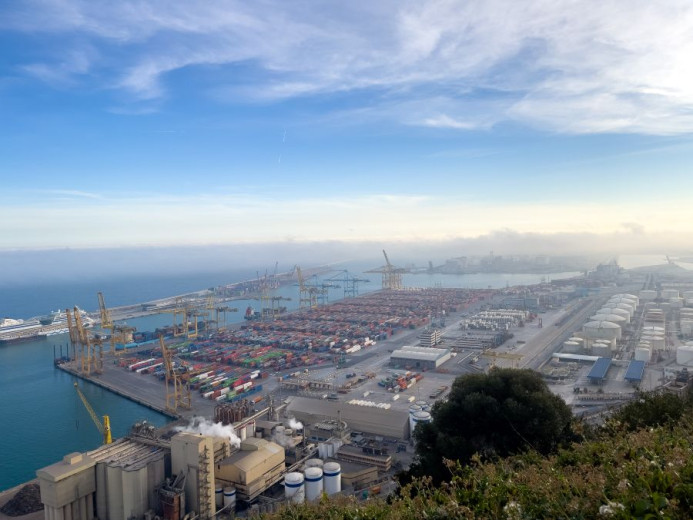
288	406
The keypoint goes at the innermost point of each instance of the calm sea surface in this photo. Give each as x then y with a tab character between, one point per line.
42	417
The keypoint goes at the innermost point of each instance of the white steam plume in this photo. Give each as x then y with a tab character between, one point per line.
207	427
296	425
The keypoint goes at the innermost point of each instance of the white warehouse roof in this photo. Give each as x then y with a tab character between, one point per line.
420	353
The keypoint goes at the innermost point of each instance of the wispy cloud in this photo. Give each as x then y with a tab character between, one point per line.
563	66
245	218
72	194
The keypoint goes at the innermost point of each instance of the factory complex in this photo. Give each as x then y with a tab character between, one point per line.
325	400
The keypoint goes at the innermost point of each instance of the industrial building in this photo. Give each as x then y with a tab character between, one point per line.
419	357
389	423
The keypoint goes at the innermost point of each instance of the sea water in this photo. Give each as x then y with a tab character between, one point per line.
42	416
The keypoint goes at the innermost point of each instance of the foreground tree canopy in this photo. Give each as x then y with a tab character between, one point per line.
503	412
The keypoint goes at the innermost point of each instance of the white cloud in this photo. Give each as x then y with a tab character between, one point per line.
243	218
565	65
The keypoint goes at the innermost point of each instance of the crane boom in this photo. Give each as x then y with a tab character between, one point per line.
105	427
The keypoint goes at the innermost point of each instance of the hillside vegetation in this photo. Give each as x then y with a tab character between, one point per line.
638	465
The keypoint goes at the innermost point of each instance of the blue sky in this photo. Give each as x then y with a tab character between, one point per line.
157	123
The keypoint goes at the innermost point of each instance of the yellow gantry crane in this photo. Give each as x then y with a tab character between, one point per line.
180	396
308	296
90	346
117	333
392	276
105	426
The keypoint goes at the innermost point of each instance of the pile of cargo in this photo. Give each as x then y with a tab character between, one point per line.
399	383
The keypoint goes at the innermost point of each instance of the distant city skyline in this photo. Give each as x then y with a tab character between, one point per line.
169	123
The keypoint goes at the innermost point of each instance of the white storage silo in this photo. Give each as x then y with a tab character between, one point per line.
571	347
687	294
653	329
294	487
602	330
617	311
219	496
314	483
332	475
577	339
613	318
676	303
313	463
647	294
668	294
658	342
686	326
684	355
421	417
230	497
601	350
642	354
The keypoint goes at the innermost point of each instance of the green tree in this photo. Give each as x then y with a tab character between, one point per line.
651	409
503	412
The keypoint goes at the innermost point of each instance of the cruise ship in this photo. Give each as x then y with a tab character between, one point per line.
17	330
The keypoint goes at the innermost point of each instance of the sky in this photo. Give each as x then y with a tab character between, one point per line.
159	123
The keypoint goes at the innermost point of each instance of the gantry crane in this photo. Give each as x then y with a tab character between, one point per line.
180	396
90	345
350	283
105	426
219	311
117	333
308	296
392	276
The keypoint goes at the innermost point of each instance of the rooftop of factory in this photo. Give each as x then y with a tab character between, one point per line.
599	369
635	371
420	353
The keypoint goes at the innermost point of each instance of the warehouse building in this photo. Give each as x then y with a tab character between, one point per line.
389	423
419	357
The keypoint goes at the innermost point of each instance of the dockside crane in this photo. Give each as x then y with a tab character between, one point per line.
90	345
180	396
105	426
349	282
392	276
117	333
308	296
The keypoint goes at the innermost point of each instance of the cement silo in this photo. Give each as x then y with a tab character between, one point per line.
314	483
294	487
332	474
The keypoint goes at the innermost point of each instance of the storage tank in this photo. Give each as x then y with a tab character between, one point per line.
658	342
687	294
314	483
601	350
230	497
668	294
647	294
613	318
313	463
676	303
615	310
686	326
684	355
653	329
571	347
294	487
642	354
421	417
332	474
219	496
577	339
602	330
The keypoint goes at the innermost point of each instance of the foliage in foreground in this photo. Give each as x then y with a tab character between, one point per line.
618	474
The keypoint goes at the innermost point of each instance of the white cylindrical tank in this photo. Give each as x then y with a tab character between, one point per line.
613	318
602	330
615	310
684	355
687	294
668	294
313	463
642	354
421	417
653	329
647	294
676	303
658	342
686	326
571	347
577	339
219	496
314	483
230	497
294	487
601	350
332	474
